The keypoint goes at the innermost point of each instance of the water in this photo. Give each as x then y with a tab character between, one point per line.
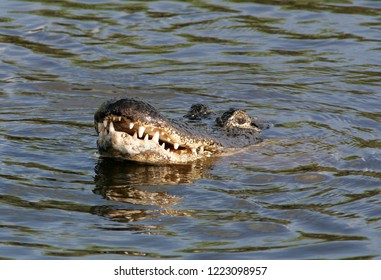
311	190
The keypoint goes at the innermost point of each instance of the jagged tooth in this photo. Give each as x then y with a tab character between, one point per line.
201	150
163	145
135	136
111	127
194	152
168	150
155	137
100	127
146	137
104	123
131	125
176	146
169	140
119	119
141	131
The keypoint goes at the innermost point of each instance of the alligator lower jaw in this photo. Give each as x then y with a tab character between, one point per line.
141	143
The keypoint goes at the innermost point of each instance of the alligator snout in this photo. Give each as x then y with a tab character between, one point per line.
131	128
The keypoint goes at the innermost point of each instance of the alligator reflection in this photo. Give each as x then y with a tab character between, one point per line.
142	187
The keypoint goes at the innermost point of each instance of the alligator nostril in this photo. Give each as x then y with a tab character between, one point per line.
134	130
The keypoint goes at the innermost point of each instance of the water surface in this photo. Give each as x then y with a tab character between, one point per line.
311	190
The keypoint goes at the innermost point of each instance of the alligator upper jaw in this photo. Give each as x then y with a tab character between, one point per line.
119	136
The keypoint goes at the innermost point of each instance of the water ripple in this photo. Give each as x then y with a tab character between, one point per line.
310	190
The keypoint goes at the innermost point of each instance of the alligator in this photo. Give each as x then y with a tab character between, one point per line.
132	129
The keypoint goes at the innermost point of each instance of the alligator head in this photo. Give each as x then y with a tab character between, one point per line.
133	129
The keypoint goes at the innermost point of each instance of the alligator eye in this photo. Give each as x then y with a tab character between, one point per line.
241	121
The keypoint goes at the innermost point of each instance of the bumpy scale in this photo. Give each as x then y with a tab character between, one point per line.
133	129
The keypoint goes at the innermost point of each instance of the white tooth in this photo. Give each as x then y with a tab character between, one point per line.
163	145
155	137
104	123
168	150
135	136
146	137
119	119
169	140
201	150
131	125
194	152
111	127
100	127
176	146
141	131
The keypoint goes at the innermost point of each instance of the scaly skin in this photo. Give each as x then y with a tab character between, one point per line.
132	129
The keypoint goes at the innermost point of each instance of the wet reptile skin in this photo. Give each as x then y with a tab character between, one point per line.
133	129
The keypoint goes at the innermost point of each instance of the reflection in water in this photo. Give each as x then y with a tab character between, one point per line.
138	185
119	172
137	196
311	190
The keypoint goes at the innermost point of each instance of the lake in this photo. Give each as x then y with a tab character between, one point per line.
310	190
